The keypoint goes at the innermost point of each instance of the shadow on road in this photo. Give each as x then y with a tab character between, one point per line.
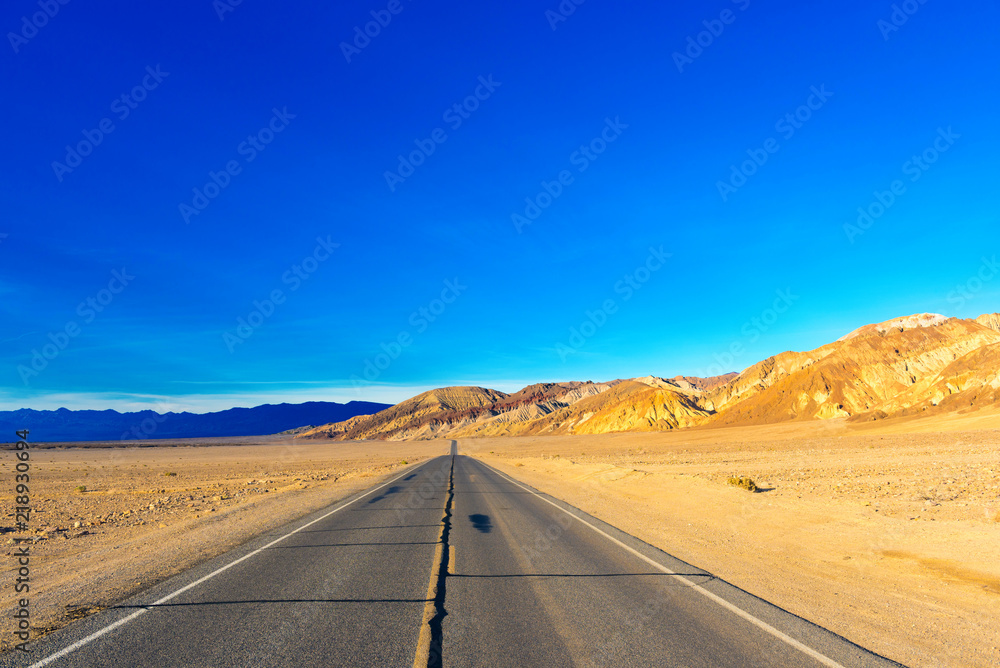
482	523
587	575
299	547
391	526
280	600
392	490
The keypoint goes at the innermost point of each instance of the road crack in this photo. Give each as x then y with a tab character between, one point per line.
430	644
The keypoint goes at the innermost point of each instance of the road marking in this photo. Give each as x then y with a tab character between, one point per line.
826	661
125	620
422	656
435	587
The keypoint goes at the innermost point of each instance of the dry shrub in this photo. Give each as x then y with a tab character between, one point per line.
743	483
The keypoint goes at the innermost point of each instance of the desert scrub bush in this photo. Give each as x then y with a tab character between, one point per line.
743	483
170	473
404	462
81	489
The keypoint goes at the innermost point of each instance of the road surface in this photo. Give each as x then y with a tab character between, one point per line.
451	563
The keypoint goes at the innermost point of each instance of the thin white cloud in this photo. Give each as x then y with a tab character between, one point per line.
206	403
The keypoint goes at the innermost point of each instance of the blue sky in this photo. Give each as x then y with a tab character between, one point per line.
586	176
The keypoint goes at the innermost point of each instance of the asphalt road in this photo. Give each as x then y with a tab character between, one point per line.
454	564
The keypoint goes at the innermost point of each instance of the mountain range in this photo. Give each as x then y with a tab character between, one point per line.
66	425
921	364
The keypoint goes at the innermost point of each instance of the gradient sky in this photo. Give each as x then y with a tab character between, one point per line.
161	341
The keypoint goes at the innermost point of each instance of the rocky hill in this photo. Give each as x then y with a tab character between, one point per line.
875	372
920	364
428	415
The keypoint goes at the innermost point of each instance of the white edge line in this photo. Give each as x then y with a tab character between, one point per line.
826	661
125	620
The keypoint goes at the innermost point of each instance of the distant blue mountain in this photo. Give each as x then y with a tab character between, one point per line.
66	425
